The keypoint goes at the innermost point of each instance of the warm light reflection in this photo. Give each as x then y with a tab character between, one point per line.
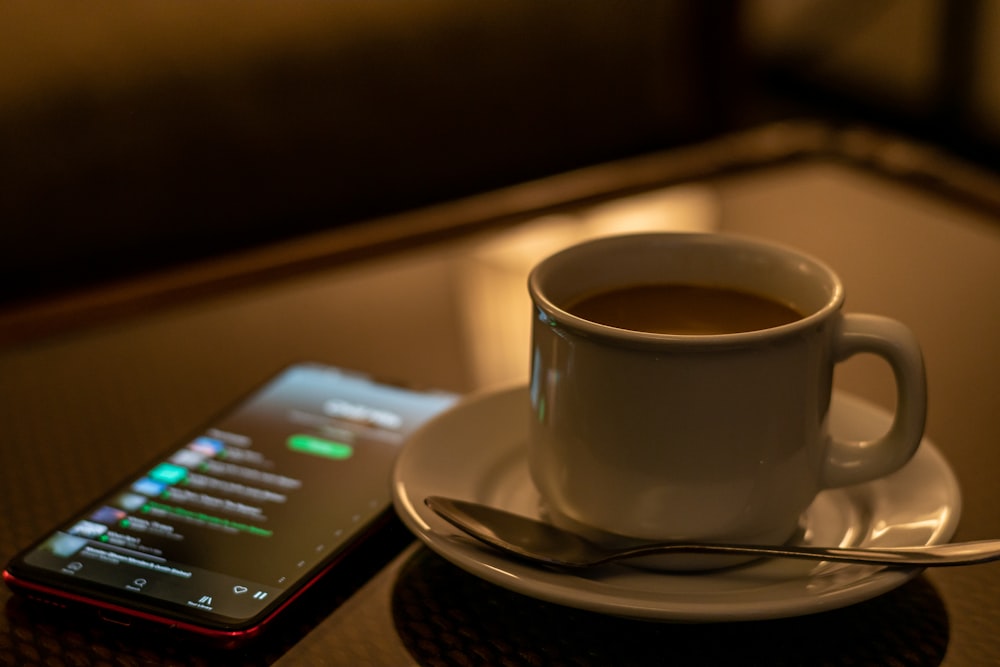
411	511
495	307
927	525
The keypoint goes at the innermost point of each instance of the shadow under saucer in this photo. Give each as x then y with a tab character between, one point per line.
446	616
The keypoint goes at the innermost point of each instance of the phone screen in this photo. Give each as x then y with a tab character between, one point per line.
228	524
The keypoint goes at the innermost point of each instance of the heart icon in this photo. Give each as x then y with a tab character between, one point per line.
239	590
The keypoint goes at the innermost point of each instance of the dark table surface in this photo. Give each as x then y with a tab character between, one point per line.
94	385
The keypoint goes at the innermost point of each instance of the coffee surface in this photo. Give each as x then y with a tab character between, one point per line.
682	309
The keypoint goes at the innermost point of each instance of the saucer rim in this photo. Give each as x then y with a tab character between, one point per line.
562	587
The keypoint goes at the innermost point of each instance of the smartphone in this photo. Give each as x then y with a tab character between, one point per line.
221	533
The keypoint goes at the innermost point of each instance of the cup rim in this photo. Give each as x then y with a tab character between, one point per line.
556	315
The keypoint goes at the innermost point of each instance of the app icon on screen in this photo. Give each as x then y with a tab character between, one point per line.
168	473
188	458
148	487
206	445
108	515
130	502
90	529
64	545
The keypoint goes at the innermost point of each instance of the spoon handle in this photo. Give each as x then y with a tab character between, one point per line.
545	543
957	553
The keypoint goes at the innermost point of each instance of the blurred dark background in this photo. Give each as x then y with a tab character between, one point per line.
138	136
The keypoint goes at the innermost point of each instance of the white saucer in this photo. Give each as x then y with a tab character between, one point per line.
477	451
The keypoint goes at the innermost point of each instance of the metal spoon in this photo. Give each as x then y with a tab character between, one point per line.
544	543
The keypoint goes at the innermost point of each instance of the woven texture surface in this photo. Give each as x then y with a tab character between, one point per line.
448	617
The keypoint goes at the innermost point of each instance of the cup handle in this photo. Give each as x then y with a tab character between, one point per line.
851	462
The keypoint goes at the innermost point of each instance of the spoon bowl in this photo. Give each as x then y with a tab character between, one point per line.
543	543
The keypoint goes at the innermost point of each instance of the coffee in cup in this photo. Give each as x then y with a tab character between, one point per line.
683	309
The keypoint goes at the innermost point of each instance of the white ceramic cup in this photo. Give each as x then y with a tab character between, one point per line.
702	437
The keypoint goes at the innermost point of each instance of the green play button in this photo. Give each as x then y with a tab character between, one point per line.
310	444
